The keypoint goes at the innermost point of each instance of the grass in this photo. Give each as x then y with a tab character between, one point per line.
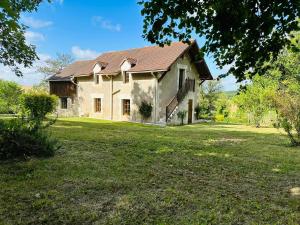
122	173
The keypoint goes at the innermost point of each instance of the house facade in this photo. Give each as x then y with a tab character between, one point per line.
112	86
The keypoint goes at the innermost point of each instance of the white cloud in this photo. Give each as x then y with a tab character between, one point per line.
35	23
30	76
34	36
84	53
106	24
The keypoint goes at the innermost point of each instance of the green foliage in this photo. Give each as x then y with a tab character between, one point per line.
287	104
209	94
18	139
14	50
38	105
145	109
198	112
26	136
243	34
256	99
219	118
222	105
181	115
10	93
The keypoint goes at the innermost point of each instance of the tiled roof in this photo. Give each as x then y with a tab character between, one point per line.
78	68
152	58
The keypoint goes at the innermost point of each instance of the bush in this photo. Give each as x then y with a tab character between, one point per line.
10	93
198	112
19	140
26	136
219	118
288	109
145	109
38	105
181	115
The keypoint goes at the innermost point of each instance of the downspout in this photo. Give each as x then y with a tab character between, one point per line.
111	100
77	95
155	96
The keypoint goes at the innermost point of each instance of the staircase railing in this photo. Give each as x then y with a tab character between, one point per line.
189	85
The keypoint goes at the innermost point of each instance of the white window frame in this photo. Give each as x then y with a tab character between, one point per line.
124	97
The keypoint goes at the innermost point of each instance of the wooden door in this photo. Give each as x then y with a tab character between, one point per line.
190	111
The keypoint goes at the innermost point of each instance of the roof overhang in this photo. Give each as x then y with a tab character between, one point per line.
146	71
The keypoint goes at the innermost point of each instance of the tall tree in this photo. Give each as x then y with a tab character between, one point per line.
243	34
257	98
51	67
14	51
209	94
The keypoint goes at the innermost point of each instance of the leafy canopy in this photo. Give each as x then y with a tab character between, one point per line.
14	51
10	93
243	34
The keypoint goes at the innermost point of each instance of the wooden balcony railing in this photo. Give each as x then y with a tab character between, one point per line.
189	85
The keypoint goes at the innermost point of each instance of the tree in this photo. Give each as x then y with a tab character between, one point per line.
209	94
256	99
288	108
14	50
10	93
222	105
243	34
53	66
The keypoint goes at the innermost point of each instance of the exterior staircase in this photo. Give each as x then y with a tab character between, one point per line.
172	107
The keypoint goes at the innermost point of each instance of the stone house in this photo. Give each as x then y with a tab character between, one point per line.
113	85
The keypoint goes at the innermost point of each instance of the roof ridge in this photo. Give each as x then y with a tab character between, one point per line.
149	46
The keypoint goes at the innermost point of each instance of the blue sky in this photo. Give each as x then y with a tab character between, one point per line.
85	29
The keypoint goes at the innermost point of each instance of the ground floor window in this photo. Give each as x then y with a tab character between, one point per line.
126	107
97	104
63	102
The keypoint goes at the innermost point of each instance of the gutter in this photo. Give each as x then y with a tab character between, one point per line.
155	96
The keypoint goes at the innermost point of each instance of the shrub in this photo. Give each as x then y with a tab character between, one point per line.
145	109
288	109
181	115
26	136
219	118
38	105
19	140
198	112
10	93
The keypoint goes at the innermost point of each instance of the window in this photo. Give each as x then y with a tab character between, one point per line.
126	77
97	103
64	102
126	107
96	78
181	78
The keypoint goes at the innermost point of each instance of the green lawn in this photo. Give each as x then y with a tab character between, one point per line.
123	173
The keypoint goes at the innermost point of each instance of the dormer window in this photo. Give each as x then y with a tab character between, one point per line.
126	65
97	69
